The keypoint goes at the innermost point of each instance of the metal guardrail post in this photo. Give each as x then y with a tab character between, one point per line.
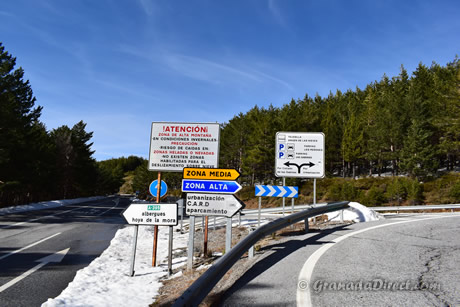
204	284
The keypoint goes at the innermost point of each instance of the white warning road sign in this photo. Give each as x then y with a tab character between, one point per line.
174	146
300	154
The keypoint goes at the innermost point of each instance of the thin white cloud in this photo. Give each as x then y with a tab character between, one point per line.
147	6
217	73
276	12
7	14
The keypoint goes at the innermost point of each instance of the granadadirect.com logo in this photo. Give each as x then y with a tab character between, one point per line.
377	284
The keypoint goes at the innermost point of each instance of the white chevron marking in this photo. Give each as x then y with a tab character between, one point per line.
272	190
283	191
293	192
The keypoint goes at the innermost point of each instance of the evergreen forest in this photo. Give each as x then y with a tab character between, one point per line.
406	125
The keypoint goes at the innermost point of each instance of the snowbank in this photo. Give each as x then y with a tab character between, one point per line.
46	205
106	281
356	213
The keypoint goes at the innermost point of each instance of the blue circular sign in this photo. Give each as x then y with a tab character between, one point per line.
153	189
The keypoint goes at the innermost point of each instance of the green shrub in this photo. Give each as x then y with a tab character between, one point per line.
454	192
343	190
414	191
375	196
402	189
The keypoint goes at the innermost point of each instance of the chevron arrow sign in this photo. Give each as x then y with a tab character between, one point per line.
277	191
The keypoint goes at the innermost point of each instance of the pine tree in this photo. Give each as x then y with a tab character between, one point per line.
418	156
18	119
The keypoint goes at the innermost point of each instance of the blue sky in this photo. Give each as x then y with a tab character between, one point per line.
119	65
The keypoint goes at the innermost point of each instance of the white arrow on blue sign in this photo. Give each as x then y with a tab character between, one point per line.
210	186
153	188
277	191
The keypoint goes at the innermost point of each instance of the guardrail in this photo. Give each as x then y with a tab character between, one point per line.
416	208
204	284
380	208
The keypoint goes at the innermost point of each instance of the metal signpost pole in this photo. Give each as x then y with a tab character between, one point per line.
314	199
155	234
284	200
205	245
228	235
314	191
170	248
260	208
133	257
191	237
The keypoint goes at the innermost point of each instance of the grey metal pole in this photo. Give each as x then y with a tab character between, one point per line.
170	249
181	212
260	208
133	255
251	249
292	205
314	191
284	199
228	235
314	201
191	237
306	225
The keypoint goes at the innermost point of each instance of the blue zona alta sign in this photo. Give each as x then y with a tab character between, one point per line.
210	186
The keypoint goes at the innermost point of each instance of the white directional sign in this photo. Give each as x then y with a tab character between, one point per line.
300	154
174	146
212	205
151	214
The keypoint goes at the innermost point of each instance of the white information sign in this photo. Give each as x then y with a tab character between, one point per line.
300	154
151	214
174	146
212	204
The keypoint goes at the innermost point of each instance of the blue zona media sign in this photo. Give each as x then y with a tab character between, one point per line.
210	186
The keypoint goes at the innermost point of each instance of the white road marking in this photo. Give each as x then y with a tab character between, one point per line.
36	219
117	201
303	296
29	246
56	257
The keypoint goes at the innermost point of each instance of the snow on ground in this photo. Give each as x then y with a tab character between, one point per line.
46	205
356	213
106	281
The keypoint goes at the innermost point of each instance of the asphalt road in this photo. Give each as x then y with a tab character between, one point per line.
71	235
405	260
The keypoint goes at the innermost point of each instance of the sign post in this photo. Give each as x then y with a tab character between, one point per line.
155	233
175	146
210	186
209	193
300	155
150	214
275	191
133	254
